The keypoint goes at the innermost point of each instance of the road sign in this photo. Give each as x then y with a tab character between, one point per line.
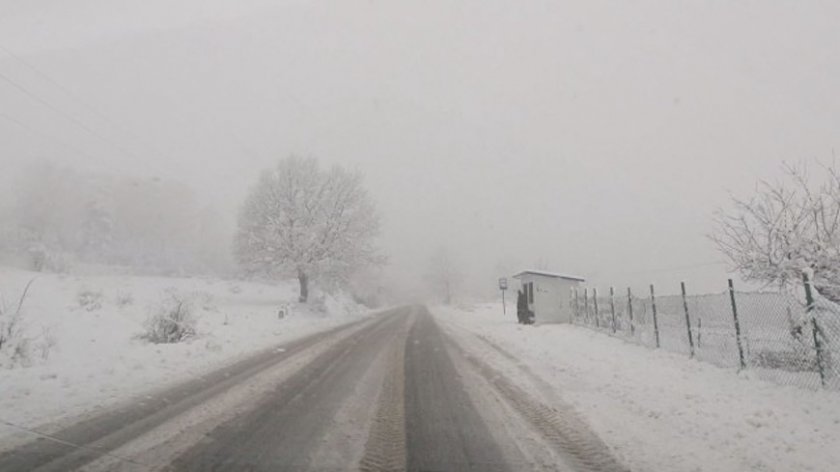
503	286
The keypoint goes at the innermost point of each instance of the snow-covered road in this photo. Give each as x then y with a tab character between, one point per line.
85	351
460	389
657	410
394	392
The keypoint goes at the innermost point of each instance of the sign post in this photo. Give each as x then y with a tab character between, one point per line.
503	285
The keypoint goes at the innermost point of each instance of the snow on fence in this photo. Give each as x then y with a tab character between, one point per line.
778	336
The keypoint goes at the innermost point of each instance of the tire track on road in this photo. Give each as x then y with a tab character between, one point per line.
560	425
93	436
385	450
444	428
283	430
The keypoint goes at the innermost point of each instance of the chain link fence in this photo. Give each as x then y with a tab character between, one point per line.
788	338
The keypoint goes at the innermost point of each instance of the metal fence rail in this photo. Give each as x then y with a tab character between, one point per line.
783	337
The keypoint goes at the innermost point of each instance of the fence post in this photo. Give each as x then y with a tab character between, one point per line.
577	304
586	306
630	311
737	325
699	332
595	301
655	322
815	328
612	307
687	320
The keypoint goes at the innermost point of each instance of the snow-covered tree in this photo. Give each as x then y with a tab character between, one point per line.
97	231
304	221
45	211
788	228
444	275
59	216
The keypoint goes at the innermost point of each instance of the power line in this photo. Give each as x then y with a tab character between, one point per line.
670	269
66	116
113	123
52	81
47	136
75	97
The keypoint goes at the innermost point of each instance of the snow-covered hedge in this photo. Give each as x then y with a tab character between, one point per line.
172	322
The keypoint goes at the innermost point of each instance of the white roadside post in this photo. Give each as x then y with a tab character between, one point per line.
503	285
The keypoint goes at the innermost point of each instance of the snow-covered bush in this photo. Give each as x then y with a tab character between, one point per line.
337	303
45	343
43	259
14	344
124	299
172	322
90	300
318	303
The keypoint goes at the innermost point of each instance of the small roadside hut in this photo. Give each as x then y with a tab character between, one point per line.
548	294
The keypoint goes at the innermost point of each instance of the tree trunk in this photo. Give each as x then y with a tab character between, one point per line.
304	286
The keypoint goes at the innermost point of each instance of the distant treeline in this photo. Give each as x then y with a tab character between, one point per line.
59	217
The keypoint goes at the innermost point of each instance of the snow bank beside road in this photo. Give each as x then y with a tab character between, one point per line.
657	410
96	359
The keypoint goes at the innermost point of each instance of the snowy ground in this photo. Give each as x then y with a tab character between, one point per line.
94	358
657	410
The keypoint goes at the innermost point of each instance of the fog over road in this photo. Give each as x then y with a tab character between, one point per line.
394	392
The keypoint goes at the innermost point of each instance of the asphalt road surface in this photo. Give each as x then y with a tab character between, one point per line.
392	393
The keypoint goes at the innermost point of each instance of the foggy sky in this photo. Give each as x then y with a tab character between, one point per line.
590	137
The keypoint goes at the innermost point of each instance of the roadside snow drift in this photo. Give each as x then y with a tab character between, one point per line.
657	410
85	350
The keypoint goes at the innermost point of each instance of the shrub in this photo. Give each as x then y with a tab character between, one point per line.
173	322
46	343
90	300
43	259
14	344
318	303
124	299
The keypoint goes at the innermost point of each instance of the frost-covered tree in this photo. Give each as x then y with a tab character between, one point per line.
46	208
97	231
304	221
443	275
788	228
59	216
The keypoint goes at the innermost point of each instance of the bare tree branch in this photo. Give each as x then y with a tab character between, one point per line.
788	228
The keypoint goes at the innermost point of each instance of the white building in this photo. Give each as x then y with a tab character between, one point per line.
548	294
